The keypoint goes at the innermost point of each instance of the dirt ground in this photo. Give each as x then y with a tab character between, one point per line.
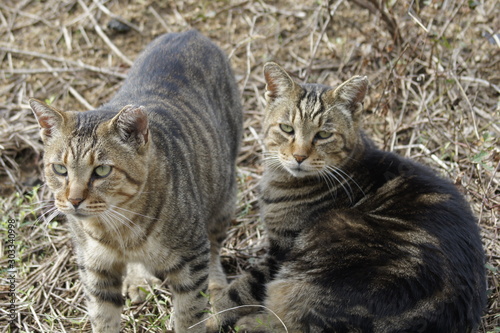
434	71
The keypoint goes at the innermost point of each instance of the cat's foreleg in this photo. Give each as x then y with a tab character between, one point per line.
104	298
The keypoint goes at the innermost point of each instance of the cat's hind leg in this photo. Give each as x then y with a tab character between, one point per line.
217	226
216	236
243	296
217	230
280	312
262	322
188	281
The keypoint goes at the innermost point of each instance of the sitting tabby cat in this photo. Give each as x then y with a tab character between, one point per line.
148	179
360	240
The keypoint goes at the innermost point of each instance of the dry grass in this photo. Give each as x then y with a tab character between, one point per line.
434	96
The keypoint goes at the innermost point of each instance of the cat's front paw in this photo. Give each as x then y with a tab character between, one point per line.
250	323
221	316
213	325
136	288
137	281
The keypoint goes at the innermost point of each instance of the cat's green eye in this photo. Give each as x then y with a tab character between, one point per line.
102	171
286	128
324	134
60	169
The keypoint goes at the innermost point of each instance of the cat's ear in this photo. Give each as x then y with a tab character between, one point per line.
49	118
132	124
350	94
278	82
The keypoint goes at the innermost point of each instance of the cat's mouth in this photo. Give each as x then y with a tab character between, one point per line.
298	170
78	212
81	215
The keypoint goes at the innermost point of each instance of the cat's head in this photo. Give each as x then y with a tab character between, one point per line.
310	128
93	161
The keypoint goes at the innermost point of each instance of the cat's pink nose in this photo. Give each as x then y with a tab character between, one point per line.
299	158
75	202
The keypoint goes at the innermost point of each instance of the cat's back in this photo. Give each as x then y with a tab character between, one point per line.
404	189
187	87
409	213
178	63
183	73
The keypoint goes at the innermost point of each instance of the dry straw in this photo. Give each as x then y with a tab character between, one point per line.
434	96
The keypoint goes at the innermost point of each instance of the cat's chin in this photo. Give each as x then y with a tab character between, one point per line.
300	173
82	215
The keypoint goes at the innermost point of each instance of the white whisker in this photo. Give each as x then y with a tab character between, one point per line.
125	221
350	178
52	213
342	181
40	207
123	218
335	177
110	223
272	161
324	175
130	211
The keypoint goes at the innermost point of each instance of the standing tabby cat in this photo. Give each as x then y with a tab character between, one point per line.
148	180
360	240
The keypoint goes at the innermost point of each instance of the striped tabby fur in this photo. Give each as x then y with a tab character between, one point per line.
361	240
147	181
